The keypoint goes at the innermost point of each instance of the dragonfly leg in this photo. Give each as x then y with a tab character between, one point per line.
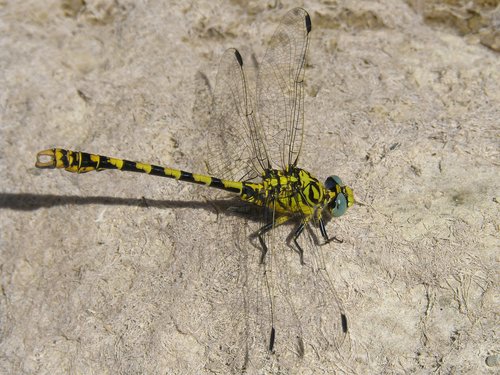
298	231
325	235
296	234
266	228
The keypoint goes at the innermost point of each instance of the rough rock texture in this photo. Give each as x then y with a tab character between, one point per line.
123	273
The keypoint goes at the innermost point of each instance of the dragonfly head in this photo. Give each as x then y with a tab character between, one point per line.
341	196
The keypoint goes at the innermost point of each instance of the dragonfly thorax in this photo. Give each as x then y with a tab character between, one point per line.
290	191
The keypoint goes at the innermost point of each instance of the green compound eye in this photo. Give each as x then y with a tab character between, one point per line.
332	181
340	205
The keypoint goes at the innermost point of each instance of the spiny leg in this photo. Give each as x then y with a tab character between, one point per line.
317	219
327	239
266	228
298	231
296	234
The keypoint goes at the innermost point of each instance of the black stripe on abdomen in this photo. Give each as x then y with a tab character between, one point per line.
86	161
188	177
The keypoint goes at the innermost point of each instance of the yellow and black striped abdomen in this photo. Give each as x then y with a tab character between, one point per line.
288	191
83	162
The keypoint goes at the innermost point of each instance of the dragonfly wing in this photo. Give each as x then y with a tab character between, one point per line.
234	146
280	88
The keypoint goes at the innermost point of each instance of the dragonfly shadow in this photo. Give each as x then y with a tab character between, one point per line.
31	202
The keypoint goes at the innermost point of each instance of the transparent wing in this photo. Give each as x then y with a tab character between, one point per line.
314	298
307	313
243	144
280	89
235	147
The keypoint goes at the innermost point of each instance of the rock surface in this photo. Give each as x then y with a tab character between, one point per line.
123	273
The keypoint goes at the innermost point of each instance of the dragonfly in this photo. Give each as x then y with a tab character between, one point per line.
258	145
